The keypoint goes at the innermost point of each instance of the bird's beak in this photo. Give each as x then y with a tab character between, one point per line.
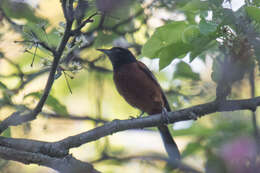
105	51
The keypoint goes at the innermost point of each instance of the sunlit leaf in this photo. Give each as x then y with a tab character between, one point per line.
163	37
176	39
190	33
184	71
195	5
7	132
2	85
176	50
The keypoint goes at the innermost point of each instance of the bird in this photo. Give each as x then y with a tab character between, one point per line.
139	87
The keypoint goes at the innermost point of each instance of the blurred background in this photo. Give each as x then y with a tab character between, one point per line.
84	96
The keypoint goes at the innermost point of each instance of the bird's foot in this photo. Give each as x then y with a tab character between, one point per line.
165	116
141	114
193	116
132	117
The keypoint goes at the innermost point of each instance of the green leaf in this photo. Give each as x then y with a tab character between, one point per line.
184	71
7	97
176	39
201	44
2	85
19	10
217	3
30	29
52	38
195	5
7	132
164	36
51	102
191	148
190	33
207	27
254	13
169	53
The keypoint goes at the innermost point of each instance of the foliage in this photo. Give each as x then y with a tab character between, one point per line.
51	102
207	31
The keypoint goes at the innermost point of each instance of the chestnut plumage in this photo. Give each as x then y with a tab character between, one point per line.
139	87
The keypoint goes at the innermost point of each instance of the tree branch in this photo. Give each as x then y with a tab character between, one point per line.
16	118
60	149
88	20
74	117
155	120
67	164
41	43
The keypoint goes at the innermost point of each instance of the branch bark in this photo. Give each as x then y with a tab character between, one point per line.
57	151
67	164
155	120
61	148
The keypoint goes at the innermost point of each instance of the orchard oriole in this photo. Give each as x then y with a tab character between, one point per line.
139	87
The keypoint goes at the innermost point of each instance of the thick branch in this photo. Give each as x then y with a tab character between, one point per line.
67	164
61	148
155	120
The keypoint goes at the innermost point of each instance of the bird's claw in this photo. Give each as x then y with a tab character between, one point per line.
165	116
141	114
131	117
193	116
138	116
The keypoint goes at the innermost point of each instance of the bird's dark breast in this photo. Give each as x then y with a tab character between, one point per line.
138	89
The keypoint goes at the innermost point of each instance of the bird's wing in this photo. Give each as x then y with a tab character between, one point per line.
146	70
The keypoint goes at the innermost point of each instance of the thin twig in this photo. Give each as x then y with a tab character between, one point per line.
64	8
88	20
67	82
35	51
75	117
43	44
17	118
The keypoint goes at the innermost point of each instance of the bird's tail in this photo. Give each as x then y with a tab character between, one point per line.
169	143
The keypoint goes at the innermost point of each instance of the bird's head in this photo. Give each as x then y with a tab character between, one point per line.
119	56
